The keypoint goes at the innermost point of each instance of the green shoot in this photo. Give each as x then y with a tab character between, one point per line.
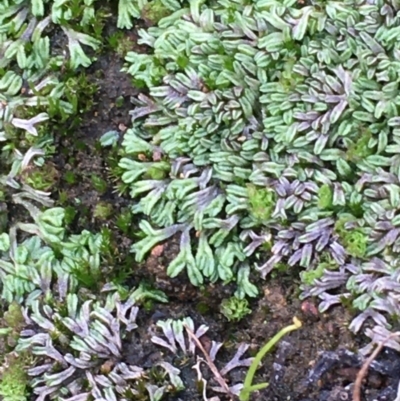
248	387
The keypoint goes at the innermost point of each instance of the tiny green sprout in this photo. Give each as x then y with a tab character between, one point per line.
262	202
124	221
288	78
99	184
235	309
62	197
70	213
203	308
325	197
248	387
70	177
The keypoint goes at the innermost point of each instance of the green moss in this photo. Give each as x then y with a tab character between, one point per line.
288	78
14	380
153	11
280	269
124	221
325	197
359	150
119	101
182	61
354	240
70	177
70	214
235	309
40	178
102	211
99	184
121	43
14	317
326	262
261	202
340	224
203	307
80	93
308	277
356	244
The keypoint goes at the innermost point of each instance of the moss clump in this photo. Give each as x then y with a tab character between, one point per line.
14	380
99	184
261	201
102	211
153	11
308	277
325	197
14	317
356	244
124	221
121	43
354	240
235	309
326	262
13	322
41	178
359	150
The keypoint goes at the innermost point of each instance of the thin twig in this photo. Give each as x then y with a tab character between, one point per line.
364	368
210	363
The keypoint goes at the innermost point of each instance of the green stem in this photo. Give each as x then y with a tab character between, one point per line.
248	388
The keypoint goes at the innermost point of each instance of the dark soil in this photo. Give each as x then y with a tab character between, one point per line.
288	369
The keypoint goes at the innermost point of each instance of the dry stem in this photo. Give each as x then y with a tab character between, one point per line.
364	368
210	363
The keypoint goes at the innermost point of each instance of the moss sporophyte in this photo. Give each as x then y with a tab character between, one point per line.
248	386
